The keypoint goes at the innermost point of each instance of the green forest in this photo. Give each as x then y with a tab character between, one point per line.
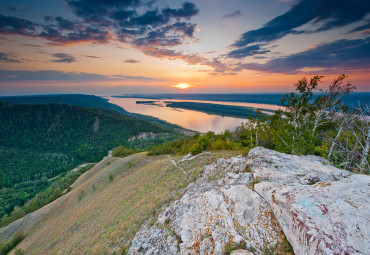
41	141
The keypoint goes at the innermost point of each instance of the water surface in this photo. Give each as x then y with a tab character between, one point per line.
189	119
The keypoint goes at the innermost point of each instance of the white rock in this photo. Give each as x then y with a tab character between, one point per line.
331	216
210	215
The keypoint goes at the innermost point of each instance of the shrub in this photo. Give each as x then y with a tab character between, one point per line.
9	245
19	252
122	152
81	195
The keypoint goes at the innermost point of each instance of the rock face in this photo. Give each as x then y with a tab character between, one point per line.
211	214
321	209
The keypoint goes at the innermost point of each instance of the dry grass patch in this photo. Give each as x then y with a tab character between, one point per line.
111	210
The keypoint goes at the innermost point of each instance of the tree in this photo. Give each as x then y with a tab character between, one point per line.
17	213
305	113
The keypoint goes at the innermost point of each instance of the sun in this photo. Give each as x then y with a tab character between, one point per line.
182	86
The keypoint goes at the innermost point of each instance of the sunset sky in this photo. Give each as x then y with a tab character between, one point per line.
111	47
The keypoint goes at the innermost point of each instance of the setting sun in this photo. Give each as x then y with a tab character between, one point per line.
182	86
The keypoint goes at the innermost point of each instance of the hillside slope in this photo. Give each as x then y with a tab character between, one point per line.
43	140
205	205
102	213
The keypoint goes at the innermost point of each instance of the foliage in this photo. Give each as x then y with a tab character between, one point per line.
19	252
41	141
197	144
53	191
121	151
9	245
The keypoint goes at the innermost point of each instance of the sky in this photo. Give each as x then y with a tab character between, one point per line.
114	47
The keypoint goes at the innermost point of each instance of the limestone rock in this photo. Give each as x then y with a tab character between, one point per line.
211	214
322	210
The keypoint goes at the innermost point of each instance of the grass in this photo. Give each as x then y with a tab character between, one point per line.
229	247
255	181
143	186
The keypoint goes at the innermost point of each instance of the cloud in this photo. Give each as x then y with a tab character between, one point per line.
131	61
14	25
64	23
8	58
362	28
53	75
95	10
48	18
232	15
248	51
89	56
188	10
325	14
191	59
101	22
336	56
63	58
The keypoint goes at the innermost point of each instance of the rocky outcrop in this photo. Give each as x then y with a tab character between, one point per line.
211	214
321	209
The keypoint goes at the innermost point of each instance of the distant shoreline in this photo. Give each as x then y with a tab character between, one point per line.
257	98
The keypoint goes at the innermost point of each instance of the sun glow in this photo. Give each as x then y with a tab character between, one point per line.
182	86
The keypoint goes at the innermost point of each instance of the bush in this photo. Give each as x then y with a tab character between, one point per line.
19	252
81	195
9	245
122	152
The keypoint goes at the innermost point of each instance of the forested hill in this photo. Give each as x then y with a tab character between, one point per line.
71	99
44	140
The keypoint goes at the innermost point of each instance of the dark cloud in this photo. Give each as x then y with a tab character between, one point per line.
188	10
248	51
14	25
79	35
8	58
102	21
232	15
338	55
53	75
96	10
48	18
64	23
63	58
89	56
131	61
153	18
32	45
326	14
